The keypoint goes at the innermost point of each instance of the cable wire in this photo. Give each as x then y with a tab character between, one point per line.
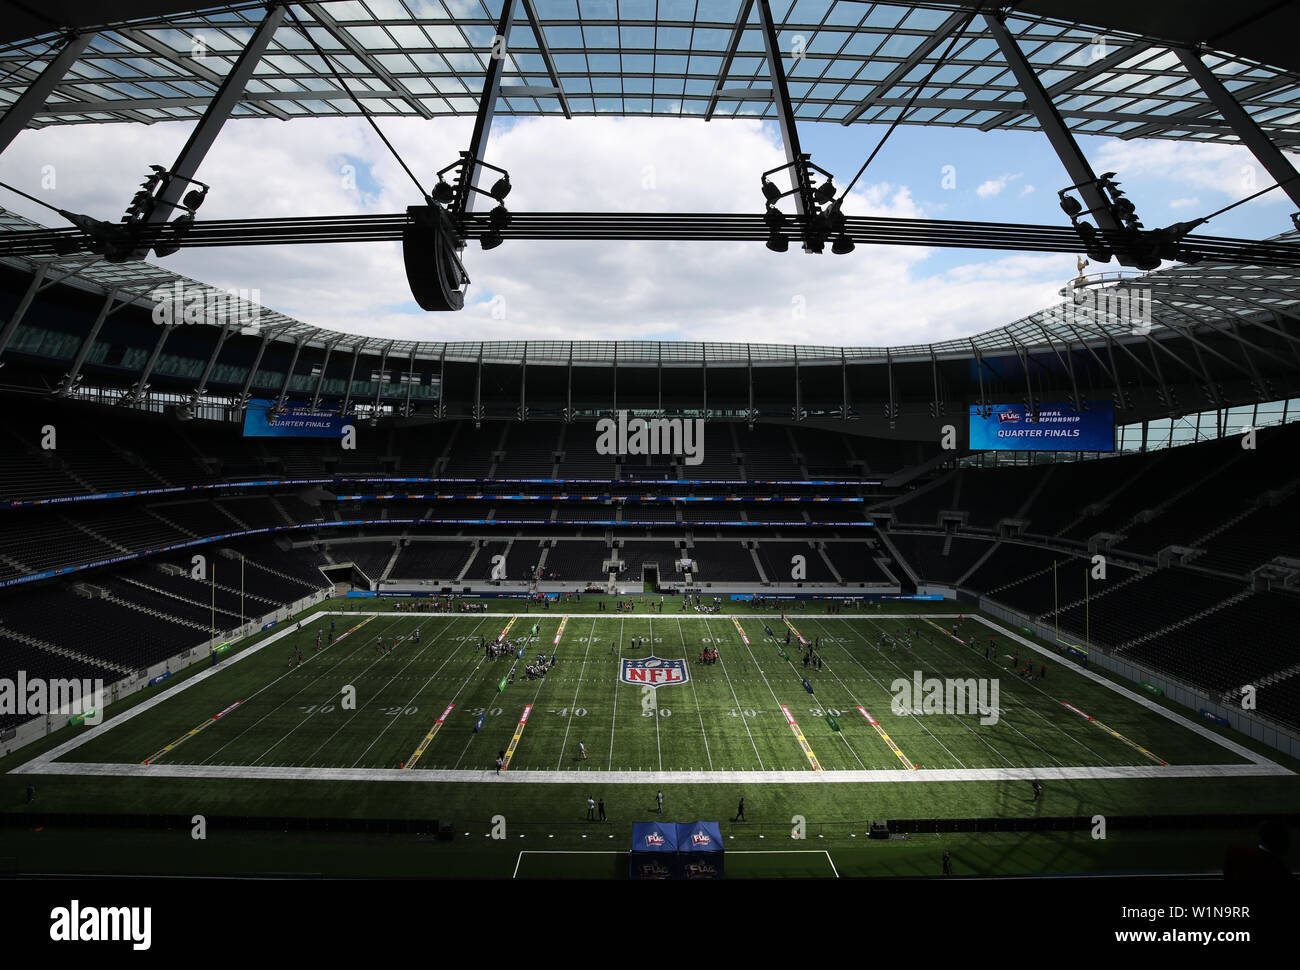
956	36
357	101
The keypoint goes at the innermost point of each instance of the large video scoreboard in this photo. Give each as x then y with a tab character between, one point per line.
1046	427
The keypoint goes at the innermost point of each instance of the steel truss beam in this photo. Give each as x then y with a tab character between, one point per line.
220	108
1252	136
1049	119
22	111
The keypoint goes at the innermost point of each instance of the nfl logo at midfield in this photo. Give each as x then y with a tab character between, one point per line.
654	672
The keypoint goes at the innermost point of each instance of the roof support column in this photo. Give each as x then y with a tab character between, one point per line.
844	386
70	379
937	406
891	408
1049	119
803	199
798	388
523	385
383	375
749	371
352	376
288	372
704	377
568	401
442	383
137	393
320	378
24	305
252	371
478	386
219	109
217	344
487	105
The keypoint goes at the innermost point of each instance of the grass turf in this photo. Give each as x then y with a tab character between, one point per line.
726	716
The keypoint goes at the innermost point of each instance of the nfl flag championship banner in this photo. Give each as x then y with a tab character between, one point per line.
262	420
1047	427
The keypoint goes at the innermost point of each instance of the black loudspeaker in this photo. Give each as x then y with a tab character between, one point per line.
446	831
879	830
433	270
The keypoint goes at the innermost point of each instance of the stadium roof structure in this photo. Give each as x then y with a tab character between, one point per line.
1171	341
1110	67
1220	318
1100	308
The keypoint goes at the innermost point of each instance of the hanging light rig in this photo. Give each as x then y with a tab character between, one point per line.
137	232
1133	244
434	234
824	220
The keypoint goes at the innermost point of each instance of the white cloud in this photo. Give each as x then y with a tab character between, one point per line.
551	290
995	186
1226	169
1184	203
1027	190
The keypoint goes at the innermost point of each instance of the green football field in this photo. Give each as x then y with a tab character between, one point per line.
438	702
413	731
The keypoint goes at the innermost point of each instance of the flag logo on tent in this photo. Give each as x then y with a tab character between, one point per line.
701	838
654	838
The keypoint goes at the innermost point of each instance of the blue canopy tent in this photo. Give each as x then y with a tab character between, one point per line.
654	851
700	850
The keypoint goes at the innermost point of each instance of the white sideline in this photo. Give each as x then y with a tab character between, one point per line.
869	776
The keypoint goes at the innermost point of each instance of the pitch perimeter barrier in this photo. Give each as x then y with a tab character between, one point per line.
1199	700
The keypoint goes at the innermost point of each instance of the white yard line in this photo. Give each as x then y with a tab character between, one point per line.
419	690
1017	680
962	721
852	697
704	734
352	653
882	686
655	693
613	718
740	708
569	723
548	777
1133	696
